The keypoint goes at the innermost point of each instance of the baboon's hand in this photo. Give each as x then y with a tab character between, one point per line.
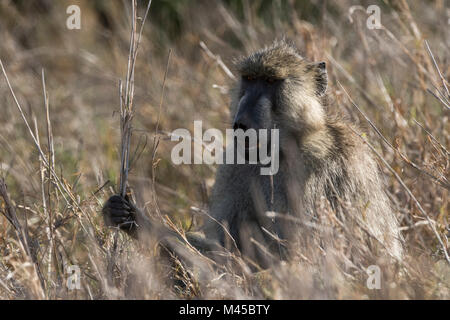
119	212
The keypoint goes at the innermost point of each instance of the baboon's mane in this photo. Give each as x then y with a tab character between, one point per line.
280	60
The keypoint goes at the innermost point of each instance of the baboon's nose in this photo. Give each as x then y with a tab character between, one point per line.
243	121
239	125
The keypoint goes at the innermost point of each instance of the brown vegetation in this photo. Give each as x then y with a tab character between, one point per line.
60	142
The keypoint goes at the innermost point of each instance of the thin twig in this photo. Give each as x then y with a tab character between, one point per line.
395	173
444	82
62	188
126	102
21	232
218	59
51	161
430	221
432	137
402	156
156	137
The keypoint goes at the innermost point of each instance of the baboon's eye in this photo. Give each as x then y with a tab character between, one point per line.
249	78
270	80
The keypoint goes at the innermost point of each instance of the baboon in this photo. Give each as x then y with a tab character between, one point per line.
321	160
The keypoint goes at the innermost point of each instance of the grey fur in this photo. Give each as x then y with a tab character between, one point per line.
321	160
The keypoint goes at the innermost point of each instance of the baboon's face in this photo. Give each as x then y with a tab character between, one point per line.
279	88
257	100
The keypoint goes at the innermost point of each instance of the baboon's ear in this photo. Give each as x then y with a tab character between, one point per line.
321	78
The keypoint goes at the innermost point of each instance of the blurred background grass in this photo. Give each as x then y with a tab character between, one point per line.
387	73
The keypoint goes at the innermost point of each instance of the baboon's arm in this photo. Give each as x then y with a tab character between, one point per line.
120	212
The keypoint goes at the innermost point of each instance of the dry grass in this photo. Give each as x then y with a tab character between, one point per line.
60	147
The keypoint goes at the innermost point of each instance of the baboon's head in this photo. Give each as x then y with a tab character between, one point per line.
278	87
